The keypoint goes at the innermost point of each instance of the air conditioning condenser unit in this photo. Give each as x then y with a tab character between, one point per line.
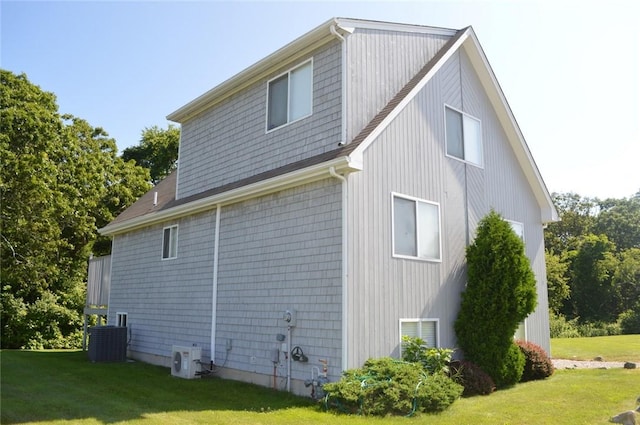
185	361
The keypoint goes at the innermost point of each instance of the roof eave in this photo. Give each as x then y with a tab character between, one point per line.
341	165
287	54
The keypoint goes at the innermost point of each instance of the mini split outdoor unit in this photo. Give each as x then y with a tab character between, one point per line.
185	361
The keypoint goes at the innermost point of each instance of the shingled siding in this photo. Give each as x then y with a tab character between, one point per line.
229	141
167	301
379	64
278	252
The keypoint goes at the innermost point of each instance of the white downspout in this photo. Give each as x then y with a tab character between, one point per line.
214	294
343	133
345	266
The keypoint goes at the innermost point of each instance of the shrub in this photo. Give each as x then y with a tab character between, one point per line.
475	380
560	327
386	386
629	321
500	293
434	360
537	365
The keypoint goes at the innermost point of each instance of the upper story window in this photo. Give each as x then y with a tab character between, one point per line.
416	228
170	242
464	136
289	96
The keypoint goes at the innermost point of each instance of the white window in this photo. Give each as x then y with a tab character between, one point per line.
521	332
464	136
121	319
416	228
425	329
518	228
170	242
289	96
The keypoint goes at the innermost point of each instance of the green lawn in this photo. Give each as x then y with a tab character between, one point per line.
621	348
56	387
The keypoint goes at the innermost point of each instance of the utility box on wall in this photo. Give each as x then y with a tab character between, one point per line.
108	344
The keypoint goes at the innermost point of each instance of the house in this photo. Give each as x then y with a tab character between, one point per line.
323	202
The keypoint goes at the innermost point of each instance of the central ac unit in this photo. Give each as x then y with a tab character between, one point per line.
185	361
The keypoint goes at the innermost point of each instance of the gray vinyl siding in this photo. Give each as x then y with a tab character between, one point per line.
379	64
278	252
229	141
168	301
409	157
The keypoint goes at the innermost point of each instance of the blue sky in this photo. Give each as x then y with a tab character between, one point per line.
569	69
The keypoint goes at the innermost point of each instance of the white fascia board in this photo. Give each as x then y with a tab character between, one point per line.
341	165
358	152
293	51
510	126
351	25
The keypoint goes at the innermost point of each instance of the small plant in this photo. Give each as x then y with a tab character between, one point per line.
537	365
386	386
434	360
473	378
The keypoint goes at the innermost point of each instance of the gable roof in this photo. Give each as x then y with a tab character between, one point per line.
344	159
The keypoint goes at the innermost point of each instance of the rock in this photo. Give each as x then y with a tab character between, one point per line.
598	359
630	365
625	418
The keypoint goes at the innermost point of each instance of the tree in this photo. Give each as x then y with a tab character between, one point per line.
557	281
577	218
157	151
60	180
594	295
619	219
627	278
500	293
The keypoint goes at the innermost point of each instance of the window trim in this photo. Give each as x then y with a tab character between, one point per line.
393	230
517	223
446	138
420	321
119	316
288	74
173	242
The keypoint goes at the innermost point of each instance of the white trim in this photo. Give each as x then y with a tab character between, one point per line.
173	240
393	241
288	73
351	24
446	140
214	295
119	315
419	321
345	267
343	165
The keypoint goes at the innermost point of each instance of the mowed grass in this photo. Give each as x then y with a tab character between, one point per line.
63	387
619	348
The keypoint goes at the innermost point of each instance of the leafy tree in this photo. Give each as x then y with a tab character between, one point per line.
500	293
60	179
627	278
619	219
557	281
577	218
594	295
157	151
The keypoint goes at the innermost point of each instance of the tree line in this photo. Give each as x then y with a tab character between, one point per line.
593	265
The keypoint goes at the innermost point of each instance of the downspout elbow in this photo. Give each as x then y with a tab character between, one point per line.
332	171
335	32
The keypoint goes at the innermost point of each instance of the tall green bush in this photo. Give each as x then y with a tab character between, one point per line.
500	293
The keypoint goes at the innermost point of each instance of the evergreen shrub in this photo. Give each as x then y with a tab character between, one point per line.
500	293
387	386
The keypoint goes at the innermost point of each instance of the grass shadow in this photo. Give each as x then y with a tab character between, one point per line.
65	385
